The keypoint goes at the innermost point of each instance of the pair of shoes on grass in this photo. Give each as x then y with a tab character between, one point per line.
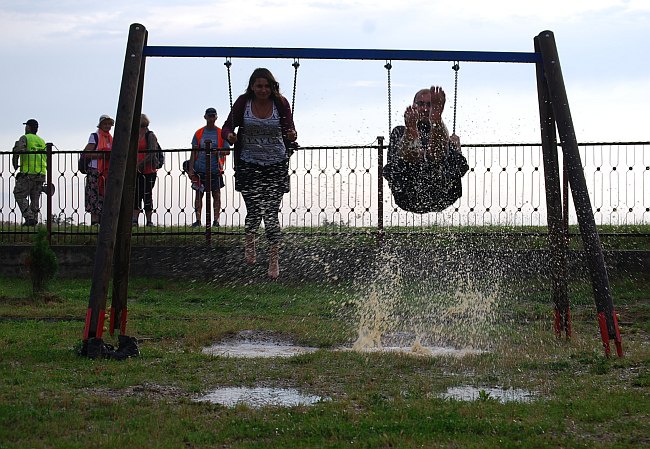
95	348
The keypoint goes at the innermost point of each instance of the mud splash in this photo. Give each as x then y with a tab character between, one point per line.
407	343
444	305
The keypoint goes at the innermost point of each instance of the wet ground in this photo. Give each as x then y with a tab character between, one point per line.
256	344
262	344
259	397
470	393
267	344
250	343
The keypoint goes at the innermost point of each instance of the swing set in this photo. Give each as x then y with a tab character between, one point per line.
114	240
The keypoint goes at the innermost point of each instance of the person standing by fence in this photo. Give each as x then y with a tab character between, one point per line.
198	167
263	144
33	167
146	175
97	168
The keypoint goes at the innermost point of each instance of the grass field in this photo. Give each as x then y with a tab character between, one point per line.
52	398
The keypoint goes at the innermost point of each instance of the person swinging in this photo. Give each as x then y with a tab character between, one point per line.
425	164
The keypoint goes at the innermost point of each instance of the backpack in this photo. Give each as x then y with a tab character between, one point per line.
159	160
82	164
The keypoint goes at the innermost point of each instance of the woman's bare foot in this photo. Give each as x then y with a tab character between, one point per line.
249	249
274	262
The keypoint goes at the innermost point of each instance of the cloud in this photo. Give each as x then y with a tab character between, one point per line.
80	49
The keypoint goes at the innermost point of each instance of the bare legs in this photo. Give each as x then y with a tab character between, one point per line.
263	205
250	256
198	206
249	249
274	261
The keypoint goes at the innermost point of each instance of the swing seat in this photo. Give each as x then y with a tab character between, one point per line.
424	187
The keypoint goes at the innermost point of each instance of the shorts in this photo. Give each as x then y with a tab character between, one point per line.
216	180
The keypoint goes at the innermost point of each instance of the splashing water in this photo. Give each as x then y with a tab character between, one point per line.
375	315
435	302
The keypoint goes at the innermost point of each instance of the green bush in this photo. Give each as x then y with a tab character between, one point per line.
42	263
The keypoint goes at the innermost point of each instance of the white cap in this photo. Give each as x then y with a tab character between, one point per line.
105	117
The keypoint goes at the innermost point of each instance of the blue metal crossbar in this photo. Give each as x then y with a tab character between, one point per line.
341	53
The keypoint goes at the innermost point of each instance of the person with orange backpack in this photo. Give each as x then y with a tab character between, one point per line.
197	167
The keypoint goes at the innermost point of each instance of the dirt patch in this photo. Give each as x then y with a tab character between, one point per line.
146	390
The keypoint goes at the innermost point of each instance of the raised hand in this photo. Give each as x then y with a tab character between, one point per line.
411	116
437	104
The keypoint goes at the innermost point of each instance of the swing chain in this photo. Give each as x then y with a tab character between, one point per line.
228	64
296	64
456	67
389	66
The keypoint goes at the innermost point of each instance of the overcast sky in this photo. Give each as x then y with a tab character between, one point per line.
62	64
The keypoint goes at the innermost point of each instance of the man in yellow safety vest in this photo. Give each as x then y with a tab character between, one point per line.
29	150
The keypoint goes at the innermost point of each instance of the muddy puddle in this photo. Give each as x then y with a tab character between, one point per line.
406	343
260	344
259	397
420	350
470	393
256	344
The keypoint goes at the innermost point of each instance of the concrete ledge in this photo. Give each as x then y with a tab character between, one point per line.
309	262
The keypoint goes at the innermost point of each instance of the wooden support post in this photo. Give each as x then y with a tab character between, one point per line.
554	210
115	182
590	238
122	256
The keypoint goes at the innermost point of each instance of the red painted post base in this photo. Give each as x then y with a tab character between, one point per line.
604	334
111	327
562	323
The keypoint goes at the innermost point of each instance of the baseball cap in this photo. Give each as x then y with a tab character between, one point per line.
104	117
31	122
210	111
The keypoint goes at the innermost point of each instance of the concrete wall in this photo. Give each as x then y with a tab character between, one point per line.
306	262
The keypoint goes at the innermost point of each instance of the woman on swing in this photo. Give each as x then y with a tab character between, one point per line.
264	141
425	165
